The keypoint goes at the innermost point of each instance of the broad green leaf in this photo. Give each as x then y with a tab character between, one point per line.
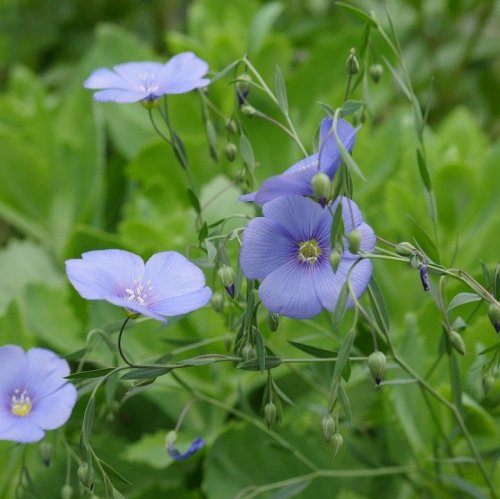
462	299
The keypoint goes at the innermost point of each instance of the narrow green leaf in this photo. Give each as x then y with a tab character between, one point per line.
464	486
320	353
270	362
212	140
247	152
280	89
211	251
282	395
344	153
179	149
496	283
196	361
341	307
146	373
193	199
462	299
494	347
378	306
110	471
223	72
117	494
337	230
88	419
262	24
398	79
260	349
203	232
424	172
95	373
360	14
328	109
343	355
346	372
486	274
344	403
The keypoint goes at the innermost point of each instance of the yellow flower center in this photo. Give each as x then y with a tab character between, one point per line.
20	404
309	251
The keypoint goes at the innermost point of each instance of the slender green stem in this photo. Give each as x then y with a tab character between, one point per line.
120	348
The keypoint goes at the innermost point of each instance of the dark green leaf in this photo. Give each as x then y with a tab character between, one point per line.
351	106
281	394
212	140
360	14
95	373
320	353
494	347
179	149
343	355
195	203
88	419
224	71
196	361
337	226
328	109
344	153
146	372
270	362
424	172
203	232
345	404
378	306
280	89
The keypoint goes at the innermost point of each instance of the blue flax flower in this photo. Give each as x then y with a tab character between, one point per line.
167	285
147	81
297	179
195	446
34	396
289	248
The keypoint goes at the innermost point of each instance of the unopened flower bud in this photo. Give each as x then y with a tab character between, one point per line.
243	88
405	249
377	363
85	475
230	150
67	491
231	125
320	184
376	72
457	342
328	428
273	321
424	277
270	412
248	110
335	258
352	64
247	352
217	302
46	452
337	442
488	383
226	275
494	315
354	240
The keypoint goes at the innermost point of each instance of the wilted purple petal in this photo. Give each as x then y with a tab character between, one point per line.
195	446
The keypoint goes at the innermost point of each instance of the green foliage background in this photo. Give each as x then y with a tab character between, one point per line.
76	175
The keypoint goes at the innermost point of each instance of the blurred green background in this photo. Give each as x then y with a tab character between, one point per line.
77	175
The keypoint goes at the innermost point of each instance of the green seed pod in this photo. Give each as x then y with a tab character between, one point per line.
230	150
405	249
328	428
354	240
488	383
231	126
457	342
270	413
273	321
377	363
217	302
321	184
67	491
376	72
335	258
494	315
248	352
248	110
337	442
352	64
85	475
